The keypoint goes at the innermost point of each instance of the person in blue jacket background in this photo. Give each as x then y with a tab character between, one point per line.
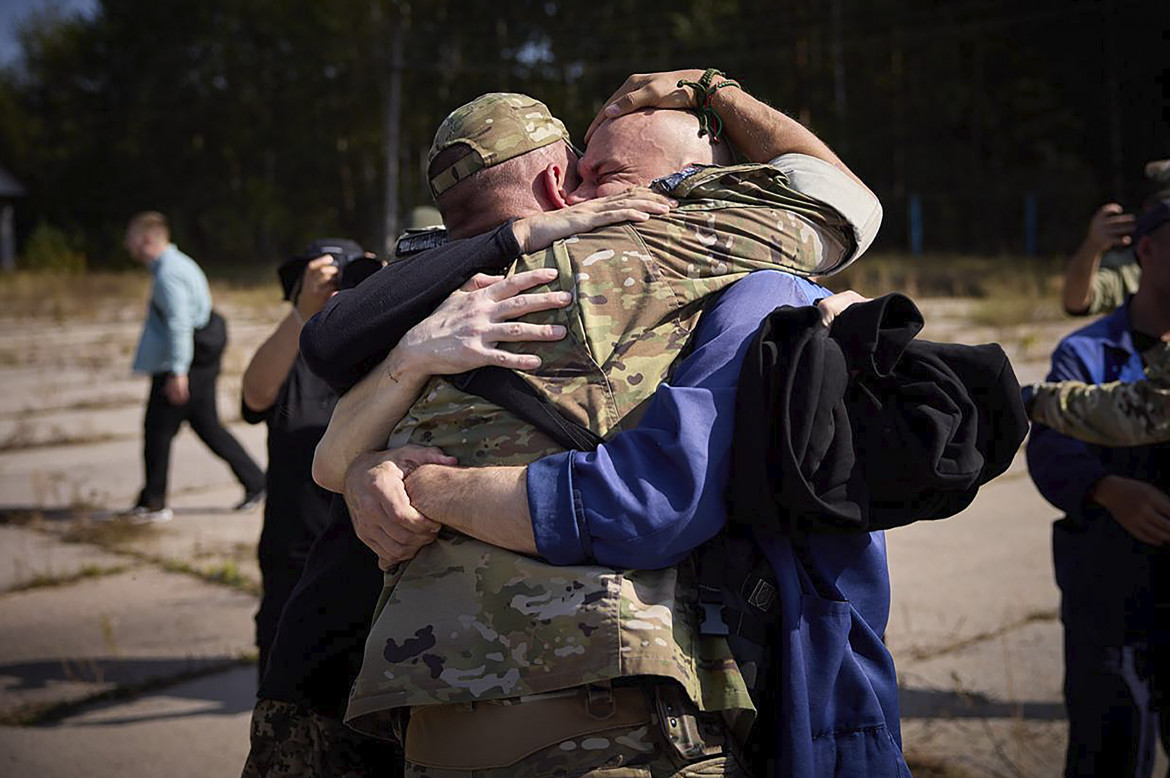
1108	548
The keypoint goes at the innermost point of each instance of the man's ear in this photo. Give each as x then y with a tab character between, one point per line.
552	186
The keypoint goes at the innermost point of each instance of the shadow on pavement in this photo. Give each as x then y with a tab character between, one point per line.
940	704
226	693
116	671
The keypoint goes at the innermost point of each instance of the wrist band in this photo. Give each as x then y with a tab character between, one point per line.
710	122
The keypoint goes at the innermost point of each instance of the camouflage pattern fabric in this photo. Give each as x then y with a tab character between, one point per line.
1117	278
1112	414
467	621
290	740
498	126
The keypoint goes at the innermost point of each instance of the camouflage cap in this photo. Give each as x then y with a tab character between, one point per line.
497	126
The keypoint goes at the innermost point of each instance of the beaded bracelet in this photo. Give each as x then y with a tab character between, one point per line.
709	119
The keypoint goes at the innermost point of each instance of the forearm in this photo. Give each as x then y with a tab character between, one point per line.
1078	278
271	364
1112	414
762	133
358	327
489	504
364	418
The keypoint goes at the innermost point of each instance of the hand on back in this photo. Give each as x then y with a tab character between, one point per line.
637	204
465	331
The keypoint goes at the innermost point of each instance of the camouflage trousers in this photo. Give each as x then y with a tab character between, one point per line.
674	741
291	740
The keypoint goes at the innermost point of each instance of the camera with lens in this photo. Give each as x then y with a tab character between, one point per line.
352	263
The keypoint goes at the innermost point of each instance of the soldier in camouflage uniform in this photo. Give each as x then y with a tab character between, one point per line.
1104	272
1110	414
471	636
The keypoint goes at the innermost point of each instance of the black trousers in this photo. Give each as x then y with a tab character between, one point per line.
162	424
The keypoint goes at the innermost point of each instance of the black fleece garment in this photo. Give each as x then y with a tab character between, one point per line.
860	427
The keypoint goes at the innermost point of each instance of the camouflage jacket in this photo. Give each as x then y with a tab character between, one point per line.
1112	414
466	621
1116	279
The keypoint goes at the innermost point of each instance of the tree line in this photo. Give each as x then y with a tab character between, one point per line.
257	125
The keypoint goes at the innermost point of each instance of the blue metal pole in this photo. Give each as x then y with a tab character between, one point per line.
915	214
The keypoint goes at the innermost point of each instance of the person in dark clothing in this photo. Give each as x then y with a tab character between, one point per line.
1110	548
181	347
279	389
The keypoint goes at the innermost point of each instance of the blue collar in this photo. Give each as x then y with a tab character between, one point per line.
1116	330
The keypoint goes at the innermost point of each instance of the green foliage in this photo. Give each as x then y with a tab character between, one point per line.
49	249
257	125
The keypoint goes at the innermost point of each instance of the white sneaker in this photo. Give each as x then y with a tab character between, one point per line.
140	514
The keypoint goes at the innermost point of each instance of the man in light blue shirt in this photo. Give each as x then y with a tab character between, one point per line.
181	346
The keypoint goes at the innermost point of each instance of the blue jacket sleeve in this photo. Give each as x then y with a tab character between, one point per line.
650	495
1064	470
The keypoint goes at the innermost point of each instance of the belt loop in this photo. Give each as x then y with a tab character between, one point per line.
599	701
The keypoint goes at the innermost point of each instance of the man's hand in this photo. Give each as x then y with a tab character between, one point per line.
378	506
463	333
1141	508
638	204
177	389
649	90
832	305
1110	227
318	284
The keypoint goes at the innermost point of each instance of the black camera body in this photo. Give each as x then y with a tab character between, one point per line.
348	257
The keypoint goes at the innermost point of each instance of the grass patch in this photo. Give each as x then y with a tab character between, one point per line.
24	438
111	535
1032	618
106	294
102	404
116	536
50	580
223	573
1002	311
945	275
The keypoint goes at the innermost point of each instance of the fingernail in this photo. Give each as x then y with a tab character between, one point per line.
558	330
564	298
673	203
611	110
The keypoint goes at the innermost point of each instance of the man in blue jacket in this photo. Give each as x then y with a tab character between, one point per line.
1108	548
651	494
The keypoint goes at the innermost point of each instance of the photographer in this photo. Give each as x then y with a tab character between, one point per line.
278	388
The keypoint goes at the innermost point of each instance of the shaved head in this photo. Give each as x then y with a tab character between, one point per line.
637	148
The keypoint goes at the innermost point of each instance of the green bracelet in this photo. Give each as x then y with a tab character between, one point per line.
709	119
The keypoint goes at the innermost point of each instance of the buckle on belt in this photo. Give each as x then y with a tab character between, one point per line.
599	701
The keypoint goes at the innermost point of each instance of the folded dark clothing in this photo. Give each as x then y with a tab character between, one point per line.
865	427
